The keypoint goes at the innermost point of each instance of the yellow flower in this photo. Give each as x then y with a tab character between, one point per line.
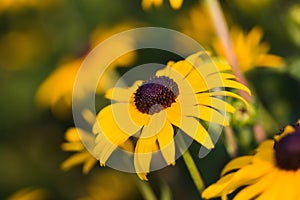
180	94
249	50
111	184
147	4
273	172
57	90
82	155
198	25
29	194
17	4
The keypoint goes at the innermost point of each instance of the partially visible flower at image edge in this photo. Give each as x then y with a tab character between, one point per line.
179	94
147	4
272	172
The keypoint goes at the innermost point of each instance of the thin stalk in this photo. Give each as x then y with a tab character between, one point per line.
191	166
222	32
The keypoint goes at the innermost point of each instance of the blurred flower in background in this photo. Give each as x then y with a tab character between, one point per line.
29	194
57	90
81	155
147	4
249	50
111	185
271	173
13	5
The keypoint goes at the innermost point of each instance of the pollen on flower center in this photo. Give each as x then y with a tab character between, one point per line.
287	150
155	94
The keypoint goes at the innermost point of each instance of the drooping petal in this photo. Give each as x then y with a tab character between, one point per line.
142	156
110	133
166	143
75	160
88	165
195	130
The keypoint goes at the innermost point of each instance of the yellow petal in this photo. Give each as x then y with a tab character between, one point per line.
195	130
274	189
75	160
122	94
217	103
176	4
110	133
71	135
166	143
216	189
211	115
229	94
247	175
156	124
74	146
236	163
143	155
257	188
120	116
88	165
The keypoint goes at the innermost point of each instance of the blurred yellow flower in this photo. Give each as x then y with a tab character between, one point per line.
20	49
179	95
249	50
147	4
198	25
111	185
272	172
29	194
82	155
17	4
57	90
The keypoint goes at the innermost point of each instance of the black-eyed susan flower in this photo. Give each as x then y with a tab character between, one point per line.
178	95
147	4
272	172
249	50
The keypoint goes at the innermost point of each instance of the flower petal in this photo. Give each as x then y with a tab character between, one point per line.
166	143
236	163
142	156
254	190
75	160
195	130
122	94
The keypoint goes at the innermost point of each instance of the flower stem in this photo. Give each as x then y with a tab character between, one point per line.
222	32
191	165
145	190
196	176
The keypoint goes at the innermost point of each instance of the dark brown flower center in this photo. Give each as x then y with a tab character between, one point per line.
155	94
287	150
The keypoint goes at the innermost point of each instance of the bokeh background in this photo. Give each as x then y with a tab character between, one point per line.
36	37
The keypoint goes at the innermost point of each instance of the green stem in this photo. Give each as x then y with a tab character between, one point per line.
146	190
191	165
196	176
